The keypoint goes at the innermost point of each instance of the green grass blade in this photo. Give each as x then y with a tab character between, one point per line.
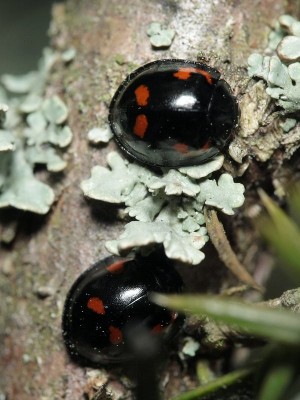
283	234
211	387
294	203
276	382
280	325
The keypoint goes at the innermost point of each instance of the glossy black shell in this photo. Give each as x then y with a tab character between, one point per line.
111	298
172	113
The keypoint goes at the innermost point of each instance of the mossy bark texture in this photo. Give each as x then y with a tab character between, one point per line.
48	254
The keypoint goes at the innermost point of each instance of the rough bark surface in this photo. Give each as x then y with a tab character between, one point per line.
49	253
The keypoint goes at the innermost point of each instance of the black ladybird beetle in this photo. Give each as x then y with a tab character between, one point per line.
109	299
172	113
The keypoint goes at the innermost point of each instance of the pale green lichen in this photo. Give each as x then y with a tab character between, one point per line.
178	245
190	347
168	207
281	71
288	124
110	185
100	135
3	109
55	110
18	186
160	37
69	55
174	183
34	126
7	141
225	195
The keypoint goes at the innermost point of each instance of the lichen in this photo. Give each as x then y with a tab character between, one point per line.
33	126
160	37
18	186
99	134
168	207
281	71
262	127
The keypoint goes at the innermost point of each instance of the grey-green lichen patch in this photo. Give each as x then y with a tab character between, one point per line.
281	70
289	49
34	127
174	183
190	347
69	54
7	141
19	84
100	134
262	128
48	157
3	109
178	245
18	186
55	110
202	171
160	37
225	195
110	185
288	124
168	207
146	209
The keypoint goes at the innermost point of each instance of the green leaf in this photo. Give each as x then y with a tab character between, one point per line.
283	234
211	387
281	326
294	203
276	382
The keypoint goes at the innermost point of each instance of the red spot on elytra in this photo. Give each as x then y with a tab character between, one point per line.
95	304
140	126
186	73
158	328
116	267
115	335
181	148
206	75
206	145
142	95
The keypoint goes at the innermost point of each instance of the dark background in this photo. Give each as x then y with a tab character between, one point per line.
23	33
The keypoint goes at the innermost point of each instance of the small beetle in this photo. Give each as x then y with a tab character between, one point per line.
172	113
109	300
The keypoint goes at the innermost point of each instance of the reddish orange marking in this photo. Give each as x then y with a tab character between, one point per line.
181	147
142	95
96	305
185	73
206	75
158	328
115	335
116	267
206	145
141	125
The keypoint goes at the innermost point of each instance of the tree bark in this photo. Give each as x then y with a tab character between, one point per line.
49	253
